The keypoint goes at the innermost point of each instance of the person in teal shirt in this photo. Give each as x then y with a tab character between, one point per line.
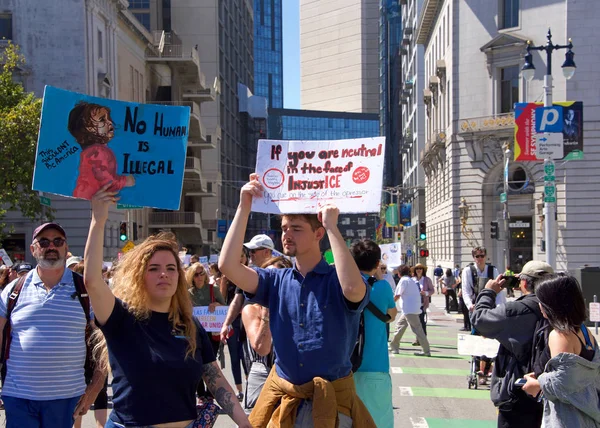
372	379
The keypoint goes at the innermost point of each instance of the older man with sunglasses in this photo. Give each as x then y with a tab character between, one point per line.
261	249
45	384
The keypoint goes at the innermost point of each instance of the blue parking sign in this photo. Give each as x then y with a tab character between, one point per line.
549	119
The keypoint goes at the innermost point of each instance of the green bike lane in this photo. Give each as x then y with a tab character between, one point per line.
432	392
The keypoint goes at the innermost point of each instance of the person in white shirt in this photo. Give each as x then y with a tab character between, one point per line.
410	294
482	271
474	279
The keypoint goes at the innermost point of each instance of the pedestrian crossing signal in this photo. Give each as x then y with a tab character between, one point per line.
423	253
123	231
494	230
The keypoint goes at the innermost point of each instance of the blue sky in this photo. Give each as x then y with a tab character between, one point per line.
291	53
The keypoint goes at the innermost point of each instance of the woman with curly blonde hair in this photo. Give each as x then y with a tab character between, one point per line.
157	352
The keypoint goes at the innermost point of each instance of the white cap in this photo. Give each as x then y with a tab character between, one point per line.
73	260
260	241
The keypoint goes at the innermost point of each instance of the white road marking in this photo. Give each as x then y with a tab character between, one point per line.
419	423
406	391
397	370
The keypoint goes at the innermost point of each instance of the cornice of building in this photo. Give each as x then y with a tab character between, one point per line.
427	20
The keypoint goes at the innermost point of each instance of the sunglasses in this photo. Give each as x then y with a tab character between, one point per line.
199	273
254	251
45	243
480	256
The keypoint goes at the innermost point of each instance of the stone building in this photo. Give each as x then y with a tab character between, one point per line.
473	53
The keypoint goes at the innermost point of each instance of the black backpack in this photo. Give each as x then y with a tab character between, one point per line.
357	353
490	275
540	353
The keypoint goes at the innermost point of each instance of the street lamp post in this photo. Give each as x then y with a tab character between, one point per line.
528	70
505	214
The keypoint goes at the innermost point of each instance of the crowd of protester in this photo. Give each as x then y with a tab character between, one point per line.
291	330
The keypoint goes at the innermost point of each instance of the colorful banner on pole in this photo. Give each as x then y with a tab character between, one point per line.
391	215
87	142
405	213
301	176
549	132
391	254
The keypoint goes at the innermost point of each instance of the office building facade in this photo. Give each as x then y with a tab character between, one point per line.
268	51
339	60
390	81
413	126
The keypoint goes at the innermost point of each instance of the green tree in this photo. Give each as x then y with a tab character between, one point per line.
19	124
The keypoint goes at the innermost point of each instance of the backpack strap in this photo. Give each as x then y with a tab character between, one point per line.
82	295
374	309
12	302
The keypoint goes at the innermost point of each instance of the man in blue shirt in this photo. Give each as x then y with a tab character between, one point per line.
315	310
372	379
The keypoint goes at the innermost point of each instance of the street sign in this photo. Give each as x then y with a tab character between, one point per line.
594	312
549	199
502	197
550	191
549	168
128	207
409	253
127	247
45	201
519	224
549	145
549	178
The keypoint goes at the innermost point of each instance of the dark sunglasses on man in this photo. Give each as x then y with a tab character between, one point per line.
256	249
45	243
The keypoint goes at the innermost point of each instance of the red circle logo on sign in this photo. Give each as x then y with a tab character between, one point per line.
361	175
273	178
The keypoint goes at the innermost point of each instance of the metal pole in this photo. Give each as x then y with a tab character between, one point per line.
596	322
505	214
549	207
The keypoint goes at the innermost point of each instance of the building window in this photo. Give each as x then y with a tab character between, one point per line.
345	221
509	88
144	19
100	50
509	13
362	221
6	26
139	4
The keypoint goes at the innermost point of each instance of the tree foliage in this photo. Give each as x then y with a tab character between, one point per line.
19	124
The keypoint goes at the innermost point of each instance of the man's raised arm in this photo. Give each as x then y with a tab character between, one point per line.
353	286
229	260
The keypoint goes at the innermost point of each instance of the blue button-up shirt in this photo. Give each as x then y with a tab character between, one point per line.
314	327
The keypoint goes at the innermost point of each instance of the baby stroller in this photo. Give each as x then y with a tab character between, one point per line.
476	347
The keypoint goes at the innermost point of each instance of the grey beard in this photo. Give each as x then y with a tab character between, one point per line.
47	264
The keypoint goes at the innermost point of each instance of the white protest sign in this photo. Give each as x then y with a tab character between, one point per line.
5	257
477	345
211	321
391	254
594	312
302	176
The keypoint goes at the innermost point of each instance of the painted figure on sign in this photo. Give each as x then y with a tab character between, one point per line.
93	128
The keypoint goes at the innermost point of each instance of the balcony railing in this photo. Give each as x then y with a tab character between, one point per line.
498	122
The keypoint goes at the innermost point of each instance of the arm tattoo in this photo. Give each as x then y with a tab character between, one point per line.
210	375
219	387
223	397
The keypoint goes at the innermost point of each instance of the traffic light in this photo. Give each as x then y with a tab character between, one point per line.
123	231
494	230
422	230
423	253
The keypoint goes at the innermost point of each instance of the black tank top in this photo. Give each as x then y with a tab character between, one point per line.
587	351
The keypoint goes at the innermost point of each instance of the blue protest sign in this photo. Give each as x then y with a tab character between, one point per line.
87	142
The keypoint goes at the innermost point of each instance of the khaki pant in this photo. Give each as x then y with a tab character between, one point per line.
415	325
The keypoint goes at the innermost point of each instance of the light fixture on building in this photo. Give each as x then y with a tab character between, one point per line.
463	212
